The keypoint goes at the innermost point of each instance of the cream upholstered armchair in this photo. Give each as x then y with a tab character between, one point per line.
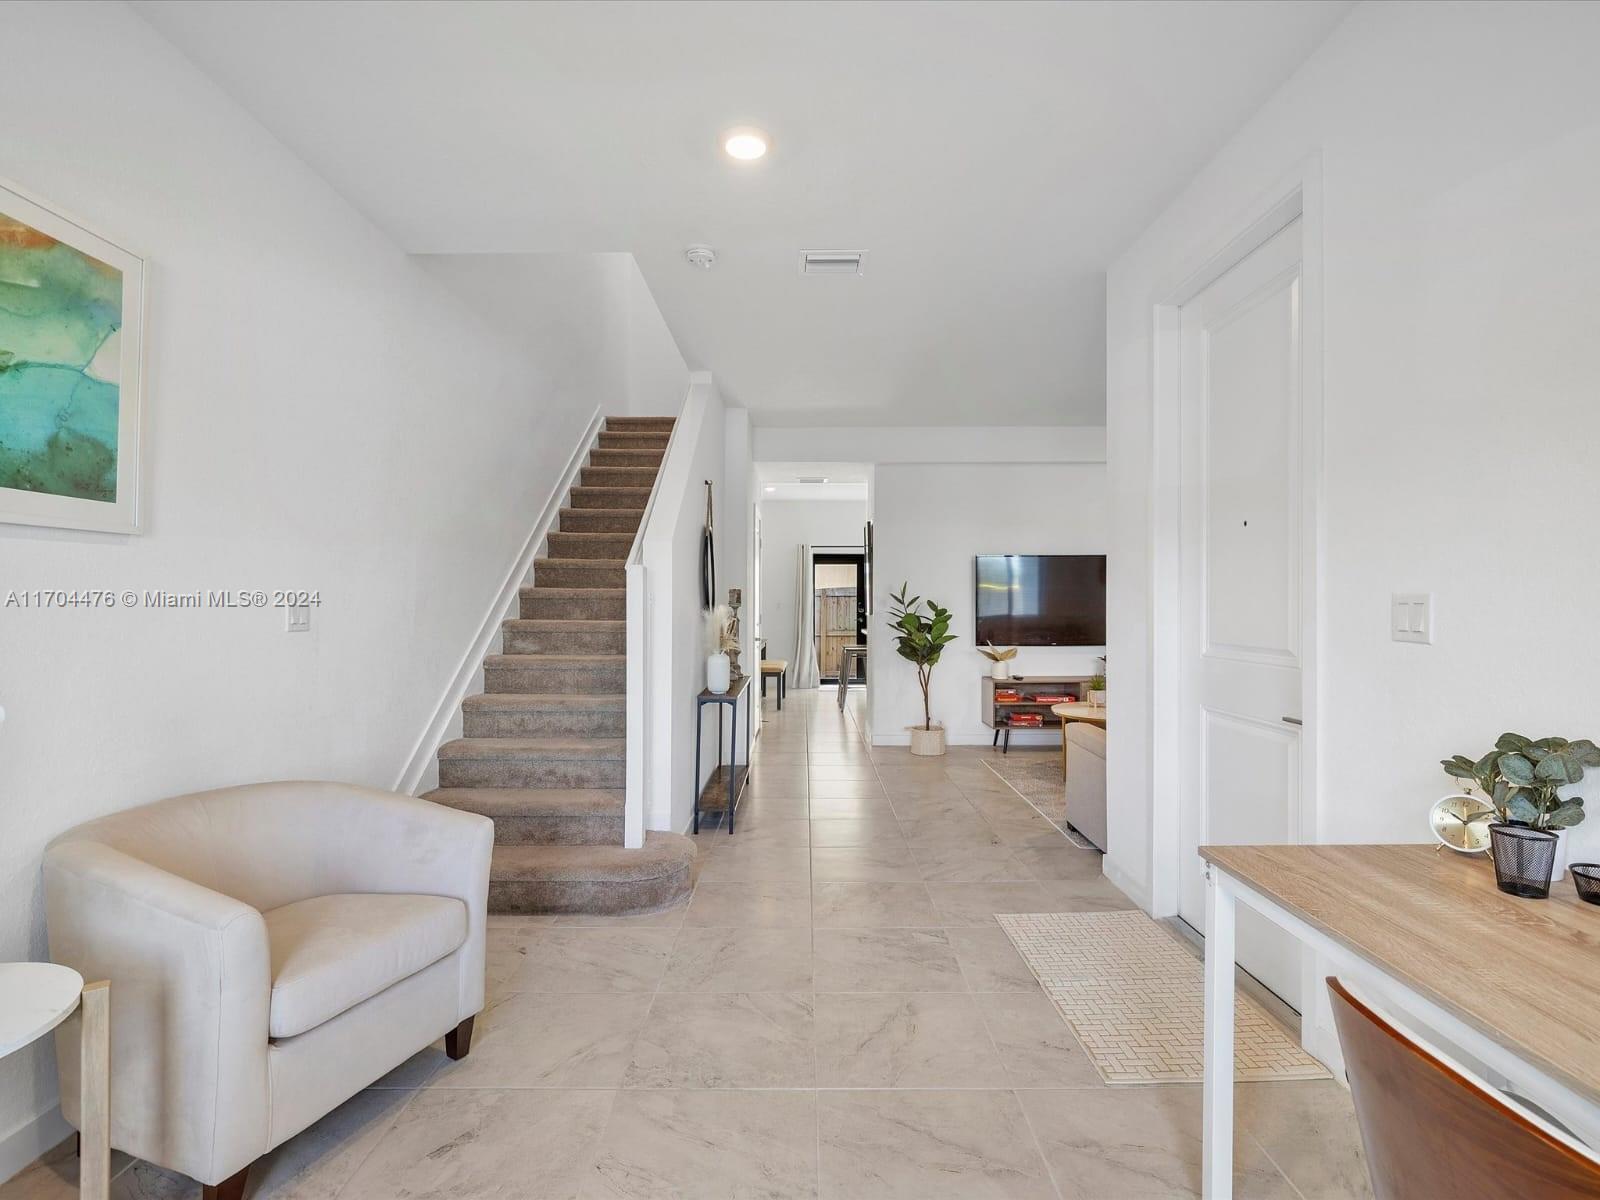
272	949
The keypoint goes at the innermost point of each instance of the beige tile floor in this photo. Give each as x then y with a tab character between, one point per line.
834	1013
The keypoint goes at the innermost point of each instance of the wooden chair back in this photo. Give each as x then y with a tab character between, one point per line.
1431	1131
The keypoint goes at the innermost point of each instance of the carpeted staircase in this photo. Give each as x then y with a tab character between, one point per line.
542	751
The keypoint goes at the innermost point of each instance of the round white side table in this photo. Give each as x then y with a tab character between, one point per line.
34	999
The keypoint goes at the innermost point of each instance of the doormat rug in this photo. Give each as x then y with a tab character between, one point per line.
1135	999
1036	777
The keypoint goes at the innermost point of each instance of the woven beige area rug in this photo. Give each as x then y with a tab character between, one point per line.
1135	999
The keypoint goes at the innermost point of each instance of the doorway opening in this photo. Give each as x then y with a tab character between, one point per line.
839	613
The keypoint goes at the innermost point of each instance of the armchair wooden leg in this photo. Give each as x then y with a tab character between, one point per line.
231	1188
459	1040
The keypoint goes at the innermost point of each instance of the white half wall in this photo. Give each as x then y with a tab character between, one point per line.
930	521
322	415
1458	150
785	525
677	645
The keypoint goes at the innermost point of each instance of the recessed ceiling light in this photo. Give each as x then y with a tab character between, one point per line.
770	488
745	143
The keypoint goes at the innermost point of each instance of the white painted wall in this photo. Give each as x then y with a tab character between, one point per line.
321	415
933	444
677	622
736	546
929	521
1458	146
598	329
785	525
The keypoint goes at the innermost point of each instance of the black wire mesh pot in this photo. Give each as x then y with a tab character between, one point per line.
1523	860
1586	878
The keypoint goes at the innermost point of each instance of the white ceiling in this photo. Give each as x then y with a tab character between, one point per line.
992	157
799	481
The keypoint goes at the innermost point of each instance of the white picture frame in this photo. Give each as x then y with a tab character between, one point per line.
123	514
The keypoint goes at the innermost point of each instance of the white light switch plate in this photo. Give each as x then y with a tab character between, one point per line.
299	619
1411	617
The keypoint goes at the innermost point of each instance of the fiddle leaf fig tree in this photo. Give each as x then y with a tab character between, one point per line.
1522	778
920	638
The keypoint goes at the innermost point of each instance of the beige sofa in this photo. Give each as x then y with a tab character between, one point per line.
1086	780
272	949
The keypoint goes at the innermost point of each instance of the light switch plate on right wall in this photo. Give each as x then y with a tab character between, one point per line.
1411	617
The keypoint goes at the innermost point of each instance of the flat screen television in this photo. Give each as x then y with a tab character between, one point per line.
1041	599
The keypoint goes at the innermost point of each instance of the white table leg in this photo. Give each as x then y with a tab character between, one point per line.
94	1093
1217	1143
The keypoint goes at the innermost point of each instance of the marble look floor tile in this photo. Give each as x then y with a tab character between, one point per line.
976	903
1084	895
55	1177
480	1144
885	960
850	808
726	1040
950	832
725	959
317	1162
872	905
567	959
1060	862
864	864
1309	1129
868	831
765	830
820	770
989	961
754	864
904	1040
775	904
762	805
549	1040
747	1145
1036	1046
927	1145
663	918
1137	1143
969	864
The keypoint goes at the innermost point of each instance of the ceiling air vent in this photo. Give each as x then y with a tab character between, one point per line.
812	479
832	262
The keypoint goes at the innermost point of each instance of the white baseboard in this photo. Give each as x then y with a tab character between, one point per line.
24	1146
421	761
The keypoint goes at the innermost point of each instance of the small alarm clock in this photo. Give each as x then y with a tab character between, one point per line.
1461	822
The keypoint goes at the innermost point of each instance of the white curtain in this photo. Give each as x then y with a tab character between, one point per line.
806	674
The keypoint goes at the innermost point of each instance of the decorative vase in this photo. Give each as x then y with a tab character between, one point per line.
1559	872
927	742
1523	860
1000	670
1097	698
719	673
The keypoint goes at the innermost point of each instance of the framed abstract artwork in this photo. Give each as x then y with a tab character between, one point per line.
71	372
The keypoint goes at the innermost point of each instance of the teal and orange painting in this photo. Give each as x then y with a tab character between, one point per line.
60	353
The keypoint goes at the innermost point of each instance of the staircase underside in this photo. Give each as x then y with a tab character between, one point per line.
542	751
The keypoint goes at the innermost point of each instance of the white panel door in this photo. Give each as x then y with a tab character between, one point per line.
1243	645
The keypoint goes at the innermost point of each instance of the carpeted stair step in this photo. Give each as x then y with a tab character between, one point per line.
627	458
609	497
578	573
543	816
545	714
601	520
532	763
576	674
567	544
564	637
634	441
617	477
587	604
591	879
653	424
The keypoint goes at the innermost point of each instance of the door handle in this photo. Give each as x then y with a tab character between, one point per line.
1292	721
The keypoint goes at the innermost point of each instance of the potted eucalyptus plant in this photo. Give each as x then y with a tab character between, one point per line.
922	631
1522	780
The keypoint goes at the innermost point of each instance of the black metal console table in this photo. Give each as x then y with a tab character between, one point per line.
736	772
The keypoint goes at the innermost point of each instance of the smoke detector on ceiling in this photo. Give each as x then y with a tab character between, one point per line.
701	256
833	262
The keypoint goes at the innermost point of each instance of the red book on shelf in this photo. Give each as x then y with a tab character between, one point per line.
1050	698
1032	720
1006	697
